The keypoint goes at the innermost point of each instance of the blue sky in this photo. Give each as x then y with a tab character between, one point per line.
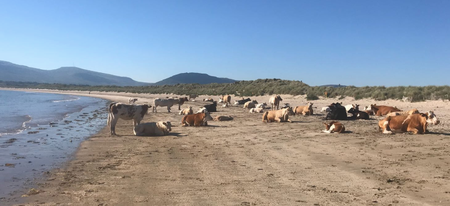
361	42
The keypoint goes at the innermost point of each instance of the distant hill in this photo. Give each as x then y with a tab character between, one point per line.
192	78
63	75
333	85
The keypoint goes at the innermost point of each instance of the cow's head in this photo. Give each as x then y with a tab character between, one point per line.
289	111
167	125
432	118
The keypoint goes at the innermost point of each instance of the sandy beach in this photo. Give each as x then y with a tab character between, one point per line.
248	162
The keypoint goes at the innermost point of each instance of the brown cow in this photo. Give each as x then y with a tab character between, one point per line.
416	123
334	126
383	110
281	115
413	111
226	99
304	110
199	119
275	101
249	105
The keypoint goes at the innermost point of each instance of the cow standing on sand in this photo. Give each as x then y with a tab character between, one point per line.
281	115
226	99
275	101
153	129
125	112
168	103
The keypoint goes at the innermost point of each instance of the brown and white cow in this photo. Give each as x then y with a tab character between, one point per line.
304	110
153	129
118	111
416	123
275	101
281	115
334	126
199	119
383	110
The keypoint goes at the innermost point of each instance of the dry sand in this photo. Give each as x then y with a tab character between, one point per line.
247	162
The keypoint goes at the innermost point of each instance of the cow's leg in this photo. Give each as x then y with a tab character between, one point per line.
385	128
113	125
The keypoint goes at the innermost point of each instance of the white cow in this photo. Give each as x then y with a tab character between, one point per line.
132	100
326	109
153	129
256	110
118	111
168	103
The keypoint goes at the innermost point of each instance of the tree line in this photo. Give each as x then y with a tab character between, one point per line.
262	87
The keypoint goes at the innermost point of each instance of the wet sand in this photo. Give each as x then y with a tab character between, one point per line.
247	162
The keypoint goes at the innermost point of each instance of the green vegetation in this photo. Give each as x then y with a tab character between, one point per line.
262	87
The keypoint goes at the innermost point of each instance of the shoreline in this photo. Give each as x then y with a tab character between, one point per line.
246	162
40	148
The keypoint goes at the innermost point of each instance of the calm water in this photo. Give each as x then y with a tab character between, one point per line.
40	131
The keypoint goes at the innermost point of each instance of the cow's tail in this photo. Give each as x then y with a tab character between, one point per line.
264	117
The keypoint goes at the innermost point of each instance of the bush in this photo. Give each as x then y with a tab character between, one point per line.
310	96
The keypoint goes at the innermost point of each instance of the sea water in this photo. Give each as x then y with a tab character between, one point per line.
40	131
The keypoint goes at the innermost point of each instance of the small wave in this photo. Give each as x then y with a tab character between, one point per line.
66	100
27	119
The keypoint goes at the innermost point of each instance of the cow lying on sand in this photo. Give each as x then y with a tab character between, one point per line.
187	111
356	114
337	112
415	123
383	110
153	129
281	115
199	119
125	112
256	110
304	110
334	126
223	118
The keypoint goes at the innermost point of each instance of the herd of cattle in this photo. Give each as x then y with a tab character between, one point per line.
396	120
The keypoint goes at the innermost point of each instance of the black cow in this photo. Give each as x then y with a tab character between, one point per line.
242	101
337	112
211	107
358	114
